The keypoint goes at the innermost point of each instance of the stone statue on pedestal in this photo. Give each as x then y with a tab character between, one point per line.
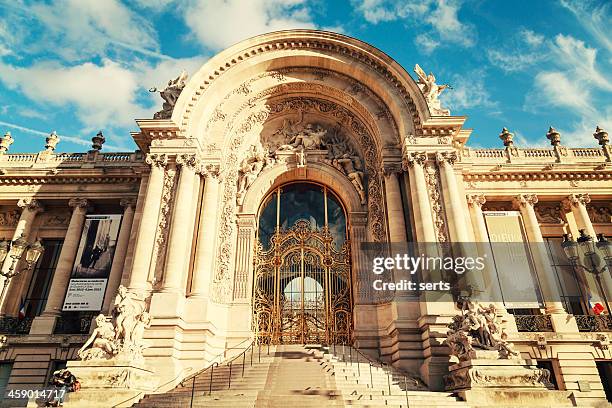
431	90
121	334
170	95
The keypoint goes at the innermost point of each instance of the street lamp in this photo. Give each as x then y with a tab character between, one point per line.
586	249
16	250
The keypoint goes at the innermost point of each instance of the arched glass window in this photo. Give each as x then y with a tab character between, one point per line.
302	201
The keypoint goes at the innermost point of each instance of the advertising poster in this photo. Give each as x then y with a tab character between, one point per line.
512	259
93	263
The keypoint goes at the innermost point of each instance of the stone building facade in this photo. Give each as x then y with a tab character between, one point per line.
307	108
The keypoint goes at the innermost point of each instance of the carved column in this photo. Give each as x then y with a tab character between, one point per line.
114	278
452	200
577	203
205	248
395	210
29	208
244	254
488	278
148	223
414	163
550	291
179	240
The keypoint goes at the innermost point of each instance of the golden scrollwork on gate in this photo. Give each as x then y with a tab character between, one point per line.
302	288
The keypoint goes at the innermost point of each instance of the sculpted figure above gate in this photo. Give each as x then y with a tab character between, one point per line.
300	138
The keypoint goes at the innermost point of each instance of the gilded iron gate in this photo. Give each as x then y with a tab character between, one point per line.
302	288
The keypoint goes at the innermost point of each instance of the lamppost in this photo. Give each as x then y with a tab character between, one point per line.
16	250
587	254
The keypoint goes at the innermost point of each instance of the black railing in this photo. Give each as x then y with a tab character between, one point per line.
15	325
73	323
591	323
210	370
533	323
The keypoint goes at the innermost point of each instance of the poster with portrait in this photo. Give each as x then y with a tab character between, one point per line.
92	263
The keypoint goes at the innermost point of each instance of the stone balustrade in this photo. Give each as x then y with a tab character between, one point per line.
533	155
33	160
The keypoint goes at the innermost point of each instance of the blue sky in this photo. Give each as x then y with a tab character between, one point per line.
79	66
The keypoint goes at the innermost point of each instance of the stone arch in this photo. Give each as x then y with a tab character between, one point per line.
277	51
316	172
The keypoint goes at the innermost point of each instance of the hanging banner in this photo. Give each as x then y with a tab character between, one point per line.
93	263
512	259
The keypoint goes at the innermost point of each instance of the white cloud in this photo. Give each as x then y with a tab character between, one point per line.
527	49
444	20
554	88
30	113
593	17
76	30
218	24
100	94
469	91
532	38
426	44
103	96
439	16
579	58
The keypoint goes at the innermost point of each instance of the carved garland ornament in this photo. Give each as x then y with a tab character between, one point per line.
161	235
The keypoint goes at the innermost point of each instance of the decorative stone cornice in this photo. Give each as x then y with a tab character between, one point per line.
414	158
524	200
155	159
127	202
30	204
188	161
476	200
444	158
575	200
78	202
77	179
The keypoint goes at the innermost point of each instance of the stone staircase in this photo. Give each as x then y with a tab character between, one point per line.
302	376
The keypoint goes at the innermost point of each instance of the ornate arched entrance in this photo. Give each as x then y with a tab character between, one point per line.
302	289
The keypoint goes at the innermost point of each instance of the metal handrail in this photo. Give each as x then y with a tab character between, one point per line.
227	363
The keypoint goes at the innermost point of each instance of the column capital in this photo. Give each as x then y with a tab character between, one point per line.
575	200
127	203
31	204
391	168
476	200
524	200
358	218
156	159
210	171
246	221
414	158
188	161
443	158
79	203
